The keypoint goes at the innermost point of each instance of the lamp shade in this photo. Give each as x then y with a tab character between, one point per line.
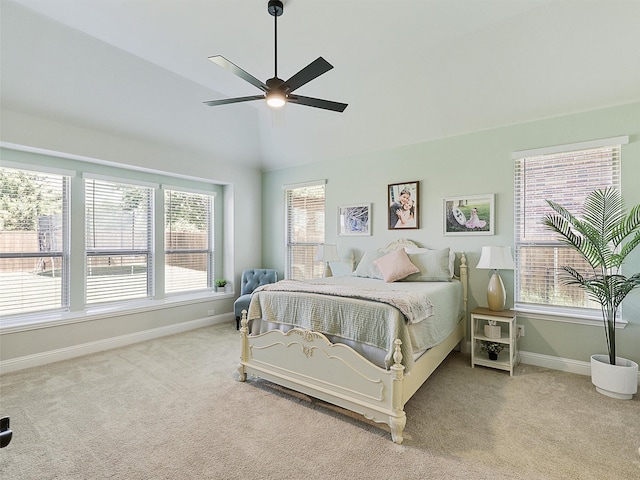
496	258
327	253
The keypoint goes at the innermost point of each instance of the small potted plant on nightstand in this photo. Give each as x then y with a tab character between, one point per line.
220	284
493	349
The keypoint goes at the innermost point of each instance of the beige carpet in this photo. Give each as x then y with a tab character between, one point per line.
172	409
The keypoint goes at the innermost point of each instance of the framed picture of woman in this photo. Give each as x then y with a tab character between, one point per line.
403	205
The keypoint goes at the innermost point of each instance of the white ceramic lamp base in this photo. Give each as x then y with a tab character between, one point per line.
327	270
496	294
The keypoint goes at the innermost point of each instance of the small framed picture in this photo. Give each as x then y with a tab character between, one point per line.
403	205
354	220
469	215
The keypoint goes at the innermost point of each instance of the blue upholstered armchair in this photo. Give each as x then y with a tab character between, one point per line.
251	279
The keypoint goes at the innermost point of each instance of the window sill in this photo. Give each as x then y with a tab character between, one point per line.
53	319
537	313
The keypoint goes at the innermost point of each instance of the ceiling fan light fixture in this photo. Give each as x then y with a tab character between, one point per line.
276	91
275	99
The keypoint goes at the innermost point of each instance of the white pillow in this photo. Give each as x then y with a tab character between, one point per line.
366	268
452	257
433	265
340	269
395	266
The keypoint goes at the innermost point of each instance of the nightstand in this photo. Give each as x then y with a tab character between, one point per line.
505	321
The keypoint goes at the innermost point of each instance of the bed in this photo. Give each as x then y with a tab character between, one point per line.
361	342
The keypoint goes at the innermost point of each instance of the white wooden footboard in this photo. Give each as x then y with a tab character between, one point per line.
309	363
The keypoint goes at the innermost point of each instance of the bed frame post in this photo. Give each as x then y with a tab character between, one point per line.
398	420
244	352
464	279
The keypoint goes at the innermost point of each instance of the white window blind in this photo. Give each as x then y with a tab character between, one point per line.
34	239
188	234
566	178
305	214
118	241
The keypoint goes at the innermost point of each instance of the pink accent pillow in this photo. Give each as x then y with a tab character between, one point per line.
395	266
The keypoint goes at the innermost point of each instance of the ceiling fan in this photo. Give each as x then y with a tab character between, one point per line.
277	92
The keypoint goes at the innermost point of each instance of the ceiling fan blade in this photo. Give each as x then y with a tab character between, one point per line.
224	101
236	70
308	73
318	103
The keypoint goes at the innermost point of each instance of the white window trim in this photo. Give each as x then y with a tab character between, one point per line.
568	147
25	322
188	190
565	315
96	161
39	168
112	179
291	186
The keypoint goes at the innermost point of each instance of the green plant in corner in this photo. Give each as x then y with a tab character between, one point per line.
598	237
221	282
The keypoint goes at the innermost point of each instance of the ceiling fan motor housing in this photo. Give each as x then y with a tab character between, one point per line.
275	83
275	8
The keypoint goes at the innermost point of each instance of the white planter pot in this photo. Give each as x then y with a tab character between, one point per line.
617	381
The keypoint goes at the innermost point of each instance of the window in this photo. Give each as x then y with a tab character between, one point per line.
305	229
82	238
34	241
119	233
566	175
188	234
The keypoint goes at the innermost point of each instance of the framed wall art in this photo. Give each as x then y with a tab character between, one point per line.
403	205
469	215
354	220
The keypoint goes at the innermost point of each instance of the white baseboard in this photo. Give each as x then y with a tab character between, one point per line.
558	363
35	360
554	363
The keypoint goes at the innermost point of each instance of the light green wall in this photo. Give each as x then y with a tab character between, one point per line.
474	163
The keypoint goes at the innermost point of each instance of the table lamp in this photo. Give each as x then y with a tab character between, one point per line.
496	258
327	253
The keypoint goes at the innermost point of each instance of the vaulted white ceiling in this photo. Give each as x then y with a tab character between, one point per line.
410	71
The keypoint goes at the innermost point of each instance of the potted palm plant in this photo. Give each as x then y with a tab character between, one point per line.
598	236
